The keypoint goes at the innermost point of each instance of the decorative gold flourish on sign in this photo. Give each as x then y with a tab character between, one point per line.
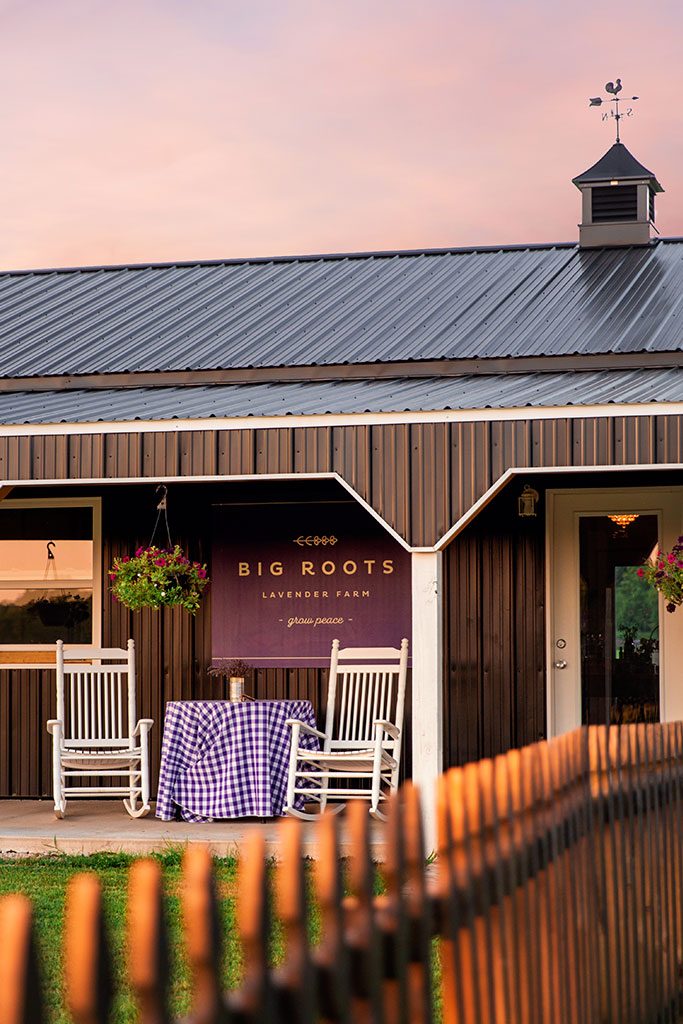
314	541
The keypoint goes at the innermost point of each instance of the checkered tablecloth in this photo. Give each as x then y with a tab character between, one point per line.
227	760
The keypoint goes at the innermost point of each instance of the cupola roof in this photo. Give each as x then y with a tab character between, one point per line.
618	164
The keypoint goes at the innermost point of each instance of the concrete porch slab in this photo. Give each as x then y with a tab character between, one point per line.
29	828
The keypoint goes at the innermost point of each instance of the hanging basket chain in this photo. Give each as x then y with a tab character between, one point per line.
162	507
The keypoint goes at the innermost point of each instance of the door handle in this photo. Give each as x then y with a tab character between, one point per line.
560	664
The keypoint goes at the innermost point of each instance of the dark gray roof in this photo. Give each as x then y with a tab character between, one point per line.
617	163
446	304
418	394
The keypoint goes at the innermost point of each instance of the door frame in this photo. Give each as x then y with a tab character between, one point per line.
564	507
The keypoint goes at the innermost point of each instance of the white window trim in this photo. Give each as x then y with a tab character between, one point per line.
96	505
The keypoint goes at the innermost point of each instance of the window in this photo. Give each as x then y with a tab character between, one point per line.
50	579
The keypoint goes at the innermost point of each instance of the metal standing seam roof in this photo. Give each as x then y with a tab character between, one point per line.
493	392
481	303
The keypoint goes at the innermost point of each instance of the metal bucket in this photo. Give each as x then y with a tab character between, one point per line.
236	688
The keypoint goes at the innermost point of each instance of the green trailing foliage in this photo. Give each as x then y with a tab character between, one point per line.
665	573
154	577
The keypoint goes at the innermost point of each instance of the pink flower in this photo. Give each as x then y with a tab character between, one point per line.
202	574
671	559
112	576
139	552
641	572
160	561
126	558
660	565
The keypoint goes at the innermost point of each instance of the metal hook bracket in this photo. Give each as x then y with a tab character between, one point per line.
163	501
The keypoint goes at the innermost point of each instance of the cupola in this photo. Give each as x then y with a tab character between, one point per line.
618	200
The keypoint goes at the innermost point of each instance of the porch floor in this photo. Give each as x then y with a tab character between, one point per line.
29	827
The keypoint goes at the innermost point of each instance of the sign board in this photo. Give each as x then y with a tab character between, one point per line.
289	579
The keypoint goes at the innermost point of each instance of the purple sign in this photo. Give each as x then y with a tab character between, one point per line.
288	580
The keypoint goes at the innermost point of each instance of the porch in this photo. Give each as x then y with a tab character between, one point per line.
29	828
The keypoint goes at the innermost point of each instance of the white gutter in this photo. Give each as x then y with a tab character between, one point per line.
137	426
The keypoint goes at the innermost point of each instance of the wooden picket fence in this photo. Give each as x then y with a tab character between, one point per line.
557	896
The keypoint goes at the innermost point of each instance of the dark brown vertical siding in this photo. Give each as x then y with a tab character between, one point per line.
670	439
390	466
313	450
494	689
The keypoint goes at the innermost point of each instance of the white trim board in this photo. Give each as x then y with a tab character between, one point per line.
174	426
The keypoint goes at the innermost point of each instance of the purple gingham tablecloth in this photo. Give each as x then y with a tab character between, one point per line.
221	759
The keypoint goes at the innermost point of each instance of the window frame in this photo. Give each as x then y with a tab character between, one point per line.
95	504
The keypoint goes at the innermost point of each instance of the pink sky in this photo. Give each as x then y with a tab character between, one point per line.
141	130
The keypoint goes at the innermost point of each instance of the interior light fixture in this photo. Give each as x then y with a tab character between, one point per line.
623	519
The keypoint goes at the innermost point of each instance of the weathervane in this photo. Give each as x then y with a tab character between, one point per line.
614	88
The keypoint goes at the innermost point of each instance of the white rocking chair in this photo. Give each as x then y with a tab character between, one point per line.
96	735
365	700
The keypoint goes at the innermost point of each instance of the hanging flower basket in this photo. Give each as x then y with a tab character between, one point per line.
665	574
64	610
154	576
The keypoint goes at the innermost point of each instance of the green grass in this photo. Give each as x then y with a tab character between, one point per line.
44	881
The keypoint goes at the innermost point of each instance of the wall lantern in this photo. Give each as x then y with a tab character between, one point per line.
526	502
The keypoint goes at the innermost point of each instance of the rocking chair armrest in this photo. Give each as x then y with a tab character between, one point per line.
291	722
144	724
55	726
393	730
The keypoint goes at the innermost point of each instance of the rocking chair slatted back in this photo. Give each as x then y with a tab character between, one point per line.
366	684
96	701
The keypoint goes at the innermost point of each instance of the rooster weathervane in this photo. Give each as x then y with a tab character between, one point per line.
614	88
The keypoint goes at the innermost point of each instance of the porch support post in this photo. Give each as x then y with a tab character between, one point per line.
427	681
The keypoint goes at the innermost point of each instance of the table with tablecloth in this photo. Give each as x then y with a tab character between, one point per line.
225	759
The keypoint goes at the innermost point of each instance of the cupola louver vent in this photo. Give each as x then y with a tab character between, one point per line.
615	202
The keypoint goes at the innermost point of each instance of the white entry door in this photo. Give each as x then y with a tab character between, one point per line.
614	653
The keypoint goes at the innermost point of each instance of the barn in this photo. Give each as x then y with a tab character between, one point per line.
475	448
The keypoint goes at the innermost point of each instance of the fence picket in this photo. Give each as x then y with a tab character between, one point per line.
88	978
331	956
20	989
148	945
203	936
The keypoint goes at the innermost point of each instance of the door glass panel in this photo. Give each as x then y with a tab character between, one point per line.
619	621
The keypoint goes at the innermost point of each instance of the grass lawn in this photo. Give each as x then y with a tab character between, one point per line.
44	881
